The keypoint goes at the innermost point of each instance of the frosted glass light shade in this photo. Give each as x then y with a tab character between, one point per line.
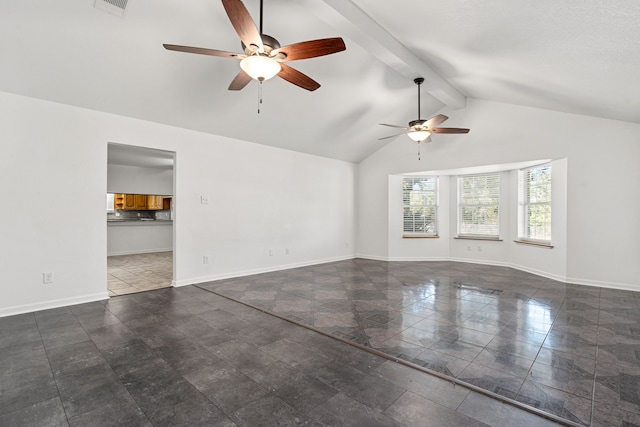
260	67
418	135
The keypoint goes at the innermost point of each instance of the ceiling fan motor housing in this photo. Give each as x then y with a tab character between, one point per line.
269	43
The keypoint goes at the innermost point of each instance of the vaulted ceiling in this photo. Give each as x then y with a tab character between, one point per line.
573	56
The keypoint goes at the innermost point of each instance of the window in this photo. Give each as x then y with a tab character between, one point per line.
478	205
535	204
420	206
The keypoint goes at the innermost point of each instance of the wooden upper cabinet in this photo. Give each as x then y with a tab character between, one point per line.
118	201
138	202
141	202
130	201
154	202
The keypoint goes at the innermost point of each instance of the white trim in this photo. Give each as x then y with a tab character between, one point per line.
29	308
372	257
481	261
540	273
141	251
609	285
409	259
563	279
203	279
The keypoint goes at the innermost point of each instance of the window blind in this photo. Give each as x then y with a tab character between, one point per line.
535	209
419	203
479	205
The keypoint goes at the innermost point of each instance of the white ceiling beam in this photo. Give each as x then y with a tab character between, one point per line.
356	25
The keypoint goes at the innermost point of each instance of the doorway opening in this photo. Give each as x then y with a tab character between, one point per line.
139	216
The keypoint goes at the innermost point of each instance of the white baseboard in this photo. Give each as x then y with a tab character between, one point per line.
541	273
141	251
29	308
610	285
373	257
563	279
231	275
482	262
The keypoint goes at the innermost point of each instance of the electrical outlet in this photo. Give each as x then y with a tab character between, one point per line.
468	248
205	259
270	252
479	248
204	200
47	277
286	251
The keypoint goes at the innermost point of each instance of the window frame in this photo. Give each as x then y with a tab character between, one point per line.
461	206
434	206
524	204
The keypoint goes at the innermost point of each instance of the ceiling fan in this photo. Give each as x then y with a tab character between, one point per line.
263	56
420	130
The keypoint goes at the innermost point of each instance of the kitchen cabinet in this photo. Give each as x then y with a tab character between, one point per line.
154	202
130	201
118	201
140	202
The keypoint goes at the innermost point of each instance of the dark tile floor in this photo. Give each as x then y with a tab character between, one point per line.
186	356
569	350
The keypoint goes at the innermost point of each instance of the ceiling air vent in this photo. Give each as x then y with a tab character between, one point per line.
117	7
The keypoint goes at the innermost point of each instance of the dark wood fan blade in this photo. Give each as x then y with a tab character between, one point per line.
394	126
390	136
203	51
435	121
297	78
449	130
240	81
242	23
311	49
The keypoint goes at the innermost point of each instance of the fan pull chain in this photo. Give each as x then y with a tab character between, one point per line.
259	96
418	151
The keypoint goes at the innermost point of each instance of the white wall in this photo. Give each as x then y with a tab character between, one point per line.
55	162
598	156
139	180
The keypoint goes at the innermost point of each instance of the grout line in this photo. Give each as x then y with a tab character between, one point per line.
379	353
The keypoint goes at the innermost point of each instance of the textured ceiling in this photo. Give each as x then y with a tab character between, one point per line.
574	56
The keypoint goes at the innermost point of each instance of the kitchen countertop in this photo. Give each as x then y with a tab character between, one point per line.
138	222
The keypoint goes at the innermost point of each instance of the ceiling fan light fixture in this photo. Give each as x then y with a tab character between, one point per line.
418	135
260	67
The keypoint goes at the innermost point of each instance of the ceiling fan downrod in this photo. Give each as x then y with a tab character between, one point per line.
261	18
418	81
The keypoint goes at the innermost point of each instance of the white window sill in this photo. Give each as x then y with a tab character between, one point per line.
419	236
493	239
538	244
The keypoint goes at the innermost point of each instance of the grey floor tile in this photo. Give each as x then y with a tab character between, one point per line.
228	388
436	389
120	413
88	389
48	413
498	414
293	386
73	357
270	411
412	410
369	389
343	411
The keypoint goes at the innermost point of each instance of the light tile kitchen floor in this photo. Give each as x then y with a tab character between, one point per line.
128	274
